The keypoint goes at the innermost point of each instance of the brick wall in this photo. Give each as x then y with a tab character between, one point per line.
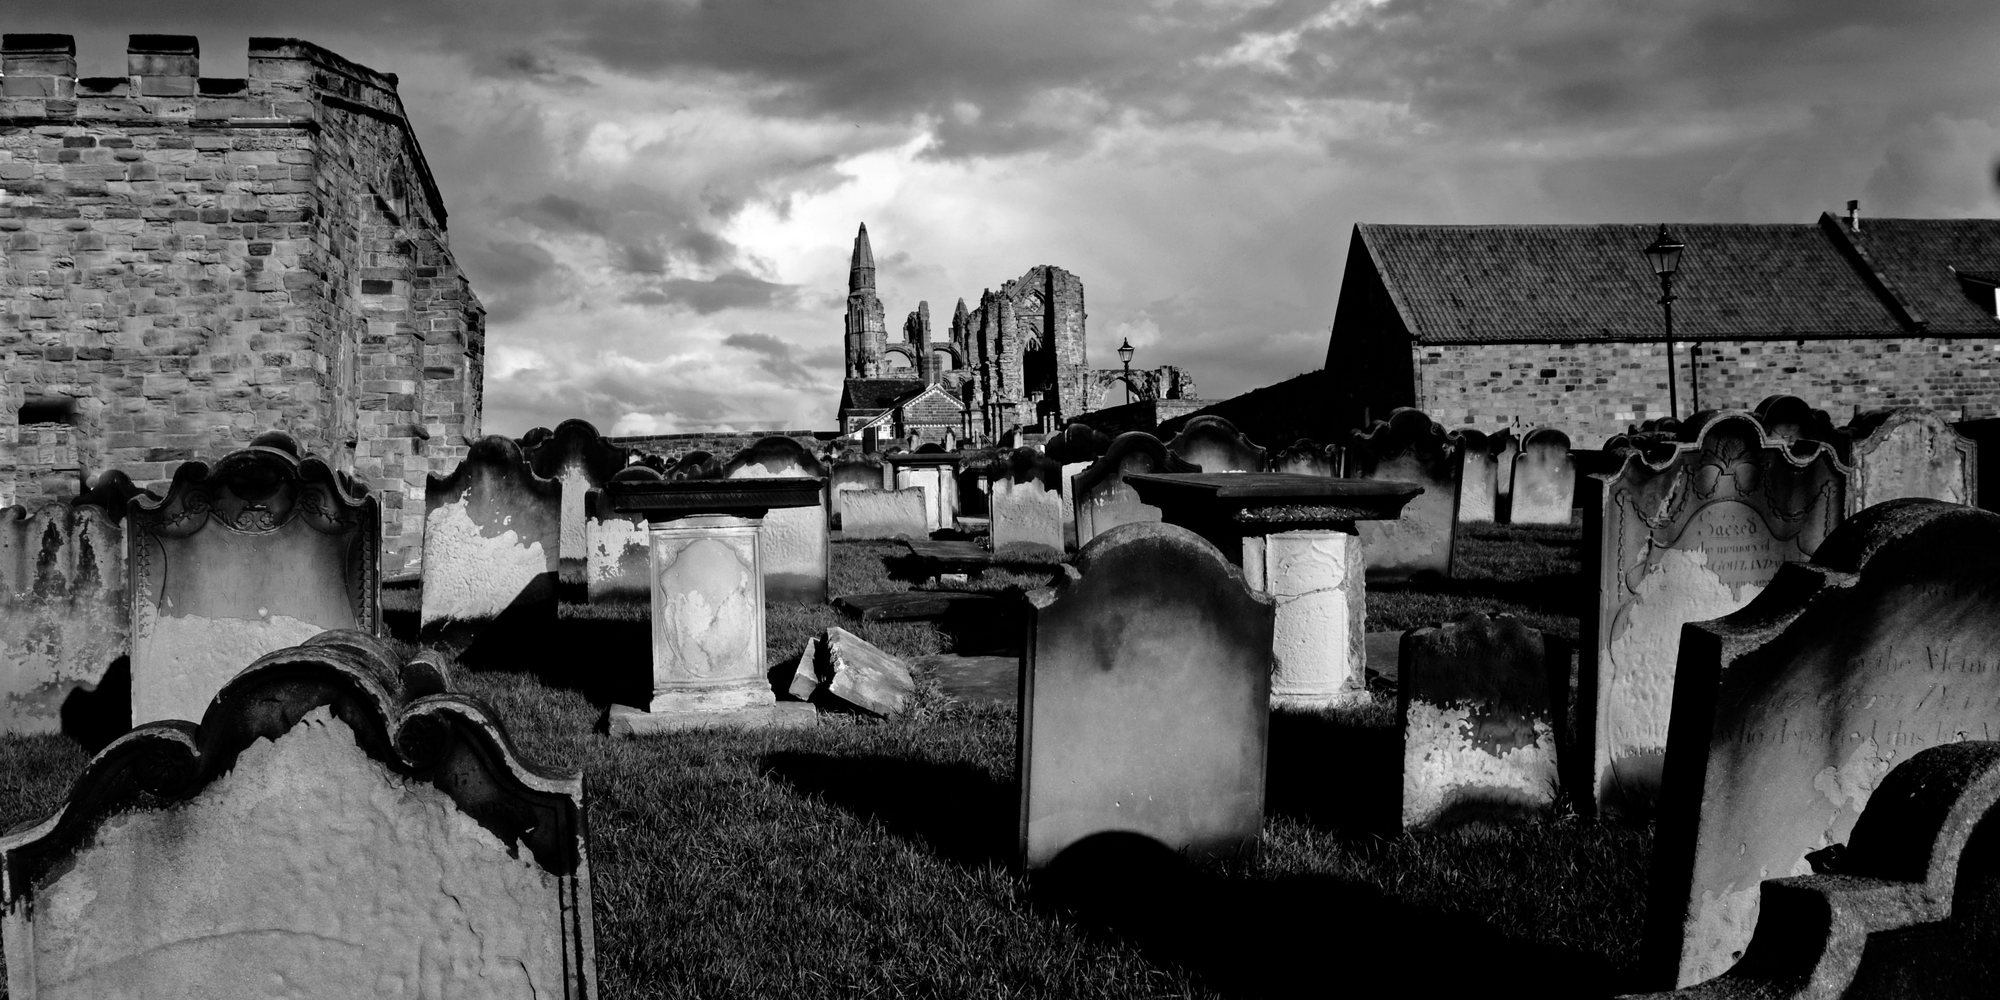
189	262
1593	391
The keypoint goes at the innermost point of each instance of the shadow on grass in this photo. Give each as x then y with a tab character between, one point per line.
959	810
1334	775
1296	935
1554	594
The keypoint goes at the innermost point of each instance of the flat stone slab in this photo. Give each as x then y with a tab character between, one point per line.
1275	496
628	721
952	557
864	676
977	680
912	605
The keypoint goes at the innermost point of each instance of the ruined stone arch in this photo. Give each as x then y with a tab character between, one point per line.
1145	385
906	352
946	349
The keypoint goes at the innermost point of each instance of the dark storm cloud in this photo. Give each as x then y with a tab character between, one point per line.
777	358
732	290
554	211
538	397
514	277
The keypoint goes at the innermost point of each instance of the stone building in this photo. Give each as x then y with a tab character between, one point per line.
190	261
1528	324
1019	359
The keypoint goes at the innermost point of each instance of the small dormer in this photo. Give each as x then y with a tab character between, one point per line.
1982	287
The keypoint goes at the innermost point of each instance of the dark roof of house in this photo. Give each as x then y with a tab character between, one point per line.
1570	283
877	394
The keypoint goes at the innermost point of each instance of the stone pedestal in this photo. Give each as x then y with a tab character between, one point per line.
1295	539
707	599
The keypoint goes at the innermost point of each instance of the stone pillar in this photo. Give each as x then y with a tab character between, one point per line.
708	615
1318	647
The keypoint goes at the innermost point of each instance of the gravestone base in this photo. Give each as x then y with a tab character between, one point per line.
624	720
753	693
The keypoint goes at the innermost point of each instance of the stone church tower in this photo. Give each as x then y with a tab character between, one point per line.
867	332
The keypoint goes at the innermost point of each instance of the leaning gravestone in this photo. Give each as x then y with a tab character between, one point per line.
1478	478
323	833
262	551
63	608
1908	911
1410	447
581	460
1544	478
1027	523
792	541
617	557
1213	444
1909	452
1787	713
883	514
1145	700
492	534
1481	699
1103	501
1679	536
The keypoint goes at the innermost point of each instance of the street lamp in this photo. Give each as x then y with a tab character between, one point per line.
1125	353
1666	255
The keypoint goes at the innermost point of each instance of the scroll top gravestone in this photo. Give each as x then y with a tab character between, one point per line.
793	539
492	543
1103	501
1787	714
1145	700
576	456
1213	444
1410	447
327	831
1690	532
261	552
1910	909
1481	699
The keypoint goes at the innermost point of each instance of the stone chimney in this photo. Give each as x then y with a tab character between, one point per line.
1854	215
164	65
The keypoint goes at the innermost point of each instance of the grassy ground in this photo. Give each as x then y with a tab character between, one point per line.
872	858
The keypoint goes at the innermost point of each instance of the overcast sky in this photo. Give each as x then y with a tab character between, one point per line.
656	200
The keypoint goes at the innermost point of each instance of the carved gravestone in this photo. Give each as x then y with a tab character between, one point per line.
1481	699
1544	478
1787	713
1027	523
260	552
792	541
1504	447
1410	447
492	535
1684	535
1145	700
1304	458
1791	419
1103	501
1909	452
64	610
1213	444
1910	908
883	514
324	832
852	475
617	557
1477	478
580	459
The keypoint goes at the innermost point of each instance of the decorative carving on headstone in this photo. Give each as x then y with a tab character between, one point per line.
1679	538
1102	499
333	822
259	552
1410	447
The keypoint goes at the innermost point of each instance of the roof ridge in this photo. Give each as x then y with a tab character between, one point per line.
1871	273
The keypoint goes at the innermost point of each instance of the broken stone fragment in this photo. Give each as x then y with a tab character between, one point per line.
866	677
805	675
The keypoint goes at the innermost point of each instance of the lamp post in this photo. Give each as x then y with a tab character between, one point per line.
1125	353
1666	257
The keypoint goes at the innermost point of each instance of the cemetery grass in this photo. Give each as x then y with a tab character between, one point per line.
867	857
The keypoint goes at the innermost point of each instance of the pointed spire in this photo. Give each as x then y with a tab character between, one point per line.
861	273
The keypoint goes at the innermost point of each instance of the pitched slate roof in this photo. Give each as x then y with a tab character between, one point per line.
1571	283
858	394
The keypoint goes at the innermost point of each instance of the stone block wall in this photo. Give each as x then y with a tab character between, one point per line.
192	261
1596	390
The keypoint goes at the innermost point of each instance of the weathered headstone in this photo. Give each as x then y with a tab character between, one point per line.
1304	458
64	614
1481	699
853	475
1787	713
883	514
1410	447
793	539
1145	700
492	541
1909	452
1027	523
1478	477
319	834
862	675
934	474
1679	537
1213	444
617	557
1908	910
1103	501
579	459
260	552
1544	478
1069	472
1504	447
